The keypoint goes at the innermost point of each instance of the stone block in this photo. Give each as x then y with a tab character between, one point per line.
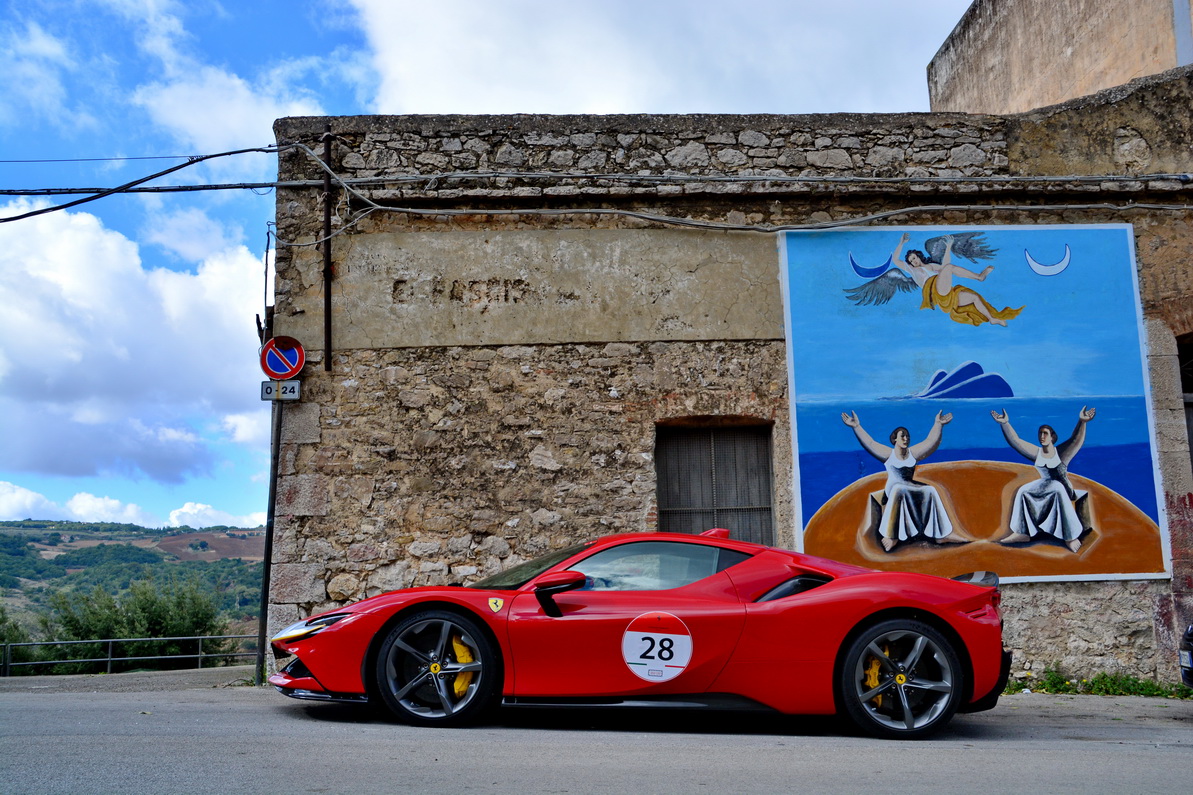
830	158
424	549
495	546
691	155
302	495
391	577
343	587
297	583
300	423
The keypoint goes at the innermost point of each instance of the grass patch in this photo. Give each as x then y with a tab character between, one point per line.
1100	684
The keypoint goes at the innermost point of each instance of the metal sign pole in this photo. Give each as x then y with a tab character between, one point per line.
275	455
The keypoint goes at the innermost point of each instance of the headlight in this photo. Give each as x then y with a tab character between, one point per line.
311	626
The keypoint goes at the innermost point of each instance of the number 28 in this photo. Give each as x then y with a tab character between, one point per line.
663	649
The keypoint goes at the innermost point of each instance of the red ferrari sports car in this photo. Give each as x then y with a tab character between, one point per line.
665	620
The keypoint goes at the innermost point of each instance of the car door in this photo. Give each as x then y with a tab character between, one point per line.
655	617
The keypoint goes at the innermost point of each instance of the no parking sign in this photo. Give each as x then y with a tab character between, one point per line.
282	358
656	647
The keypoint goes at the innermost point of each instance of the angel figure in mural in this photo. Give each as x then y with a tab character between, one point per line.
1046	505
912	509
933	275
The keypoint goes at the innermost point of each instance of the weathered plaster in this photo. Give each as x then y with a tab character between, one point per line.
525	287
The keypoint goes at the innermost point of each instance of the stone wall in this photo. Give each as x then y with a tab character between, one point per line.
418	466
1080	628
502	349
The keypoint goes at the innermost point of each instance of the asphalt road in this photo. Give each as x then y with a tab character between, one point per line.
209	732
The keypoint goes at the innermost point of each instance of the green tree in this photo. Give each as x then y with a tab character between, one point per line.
144	611
18	558
12	632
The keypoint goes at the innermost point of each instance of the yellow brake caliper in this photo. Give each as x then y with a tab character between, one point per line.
872	677
463	655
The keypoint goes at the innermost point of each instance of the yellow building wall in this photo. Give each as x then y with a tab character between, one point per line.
1011	56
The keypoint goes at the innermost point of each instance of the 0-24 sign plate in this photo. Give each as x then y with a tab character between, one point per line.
281	390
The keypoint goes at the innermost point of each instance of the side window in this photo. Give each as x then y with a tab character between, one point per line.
654	565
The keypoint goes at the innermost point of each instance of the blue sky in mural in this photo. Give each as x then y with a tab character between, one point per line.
129	385
1076	342
1077	334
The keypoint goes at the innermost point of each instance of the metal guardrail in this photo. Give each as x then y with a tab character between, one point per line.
111	643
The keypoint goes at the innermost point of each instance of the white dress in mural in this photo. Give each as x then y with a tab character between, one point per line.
912	509
1046	505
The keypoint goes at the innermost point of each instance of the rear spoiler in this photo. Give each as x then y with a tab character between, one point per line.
987	579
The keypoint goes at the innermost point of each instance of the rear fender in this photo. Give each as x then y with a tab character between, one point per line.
932	620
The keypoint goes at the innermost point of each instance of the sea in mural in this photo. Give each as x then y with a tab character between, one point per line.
972	339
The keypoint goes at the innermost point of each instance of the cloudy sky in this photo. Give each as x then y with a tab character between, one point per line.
129	383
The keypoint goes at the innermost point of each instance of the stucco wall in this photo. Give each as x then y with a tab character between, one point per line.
1010	56
523	286
496	373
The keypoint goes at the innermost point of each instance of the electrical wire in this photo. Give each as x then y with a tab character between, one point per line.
371	206
98	159
350	187
126	187
431	181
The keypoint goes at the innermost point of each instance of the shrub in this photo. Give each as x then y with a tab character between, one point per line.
144	611
12	632
1101	684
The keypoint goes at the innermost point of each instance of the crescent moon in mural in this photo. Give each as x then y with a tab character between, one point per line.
1048	270
869	273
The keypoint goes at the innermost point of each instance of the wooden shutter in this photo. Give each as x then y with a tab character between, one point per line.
715	477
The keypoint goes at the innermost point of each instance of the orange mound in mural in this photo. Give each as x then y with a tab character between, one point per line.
978	496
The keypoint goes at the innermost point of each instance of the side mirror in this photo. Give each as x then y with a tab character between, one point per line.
557	582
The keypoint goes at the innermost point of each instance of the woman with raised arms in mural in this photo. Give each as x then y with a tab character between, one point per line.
912	509
1046	505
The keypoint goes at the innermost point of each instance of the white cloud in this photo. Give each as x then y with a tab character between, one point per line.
89	339
665	56
196	514
476	56
17	503
33	63
251	429
208	108
84	507
190	234
235	114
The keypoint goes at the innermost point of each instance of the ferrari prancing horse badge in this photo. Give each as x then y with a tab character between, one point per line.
495	604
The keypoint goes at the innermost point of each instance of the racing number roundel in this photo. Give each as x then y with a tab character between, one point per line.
656	647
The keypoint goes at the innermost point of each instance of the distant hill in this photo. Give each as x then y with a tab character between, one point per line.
39	557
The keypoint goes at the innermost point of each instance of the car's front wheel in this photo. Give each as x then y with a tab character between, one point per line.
901	679
437	668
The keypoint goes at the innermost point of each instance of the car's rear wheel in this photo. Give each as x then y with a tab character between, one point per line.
437	668
901	679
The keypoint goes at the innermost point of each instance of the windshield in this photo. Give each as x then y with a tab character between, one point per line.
516	576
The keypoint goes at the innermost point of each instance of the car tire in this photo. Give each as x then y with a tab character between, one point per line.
901	679
437	668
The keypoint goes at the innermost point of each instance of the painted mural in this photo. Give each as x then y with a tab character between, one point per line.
968	398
